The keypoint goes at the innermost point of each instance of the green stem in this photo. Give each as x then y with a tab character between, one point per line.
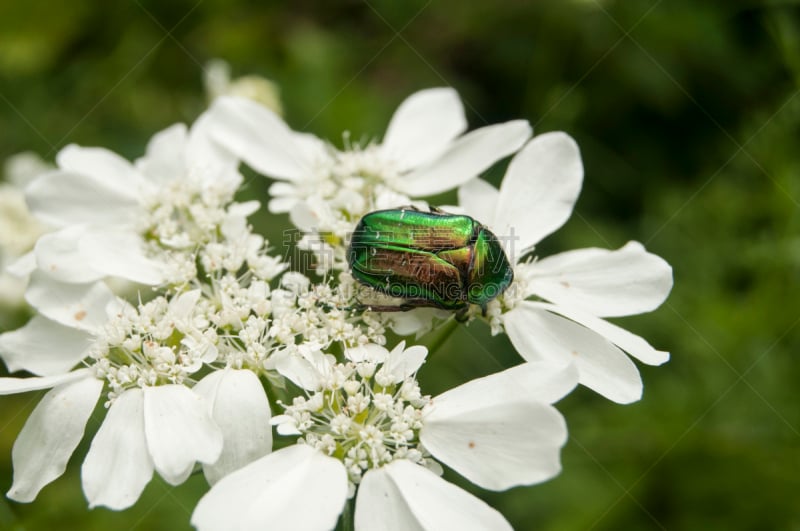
348	516
443	334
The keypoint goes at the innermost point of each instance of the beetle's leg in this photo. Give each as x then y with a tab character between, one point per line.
436	210
384	308
359	306
461	315
402	307
408	304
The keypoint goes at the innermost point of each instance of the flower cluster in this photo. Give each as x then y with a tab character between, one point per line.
368	410
18	229
326	190
154	295
366	431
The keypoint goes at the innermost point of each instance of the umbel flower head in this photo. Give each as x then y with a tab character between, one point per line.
142	221
166	410
191	369
555	309
154	421
180	375
366	430
180	371
423	152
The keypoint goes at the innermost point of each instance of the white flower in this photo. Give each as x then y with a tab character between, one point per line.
18	229
146	357
499	431
327	190
422	152
165	428
218	82
553	311
127	220
153	422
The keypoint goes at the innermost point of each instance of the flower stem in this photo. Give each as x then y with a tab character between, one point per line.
348	520
443	333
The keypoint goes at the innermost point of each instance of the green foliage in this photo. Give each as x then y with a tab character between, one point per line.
688	117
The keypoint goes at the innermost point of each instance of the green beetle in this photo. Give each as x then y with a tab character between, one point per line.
430	259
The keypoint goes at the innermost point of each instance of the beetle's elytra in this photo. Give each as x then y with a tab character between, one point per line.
429	259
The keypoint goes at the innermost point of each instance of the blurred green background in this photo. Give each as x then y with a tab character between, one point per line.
688	117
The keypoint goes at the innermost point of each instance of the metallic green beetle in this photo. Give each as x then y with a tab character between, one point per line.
431	259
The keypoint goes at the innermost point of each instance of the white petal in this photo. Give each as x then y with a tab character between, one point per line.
103	167
282	188
117	467
539	189
202	150
183	306
164	159
50	435
287	429
296	488
63	197
81	306
540	381
467	157
303	216
478	199
281	205
240	408
209	162
402	496
215	175
496	432
58	253
605	283
44	347
387	198
260	137
12	290
306	368
298	370
404	362
10	386
540	335
22	266
22	168
244	209
179	431
634	345
415	322
423	126
312	147
367	353
121	253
